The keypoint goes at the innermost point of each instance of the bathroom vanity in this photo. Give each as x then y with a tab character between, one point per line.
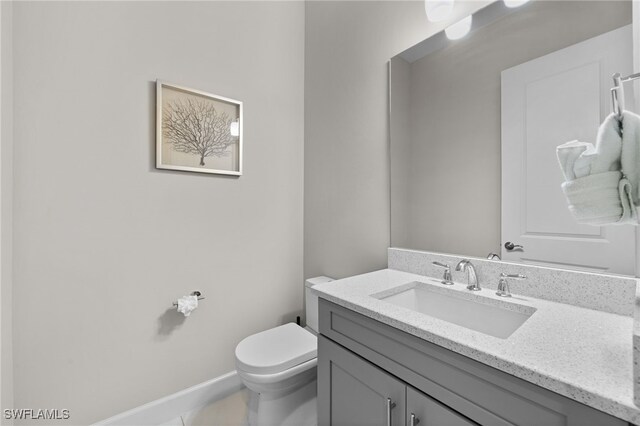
403	347
381	363
372	374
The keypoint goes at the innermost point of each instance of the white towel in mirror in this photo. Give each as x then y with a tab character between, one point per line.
602	182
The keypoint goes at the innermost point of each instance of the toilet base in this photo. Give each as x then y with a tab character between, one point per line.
296	408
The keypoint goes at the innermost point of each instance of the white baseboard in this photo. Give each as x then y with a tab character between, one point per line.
164	409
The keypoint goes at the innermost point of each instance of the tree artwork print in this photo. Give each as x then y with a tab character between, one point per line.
194	126
197	131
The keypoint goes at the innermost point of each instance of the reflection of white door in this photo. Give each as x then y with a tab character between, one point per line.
545	102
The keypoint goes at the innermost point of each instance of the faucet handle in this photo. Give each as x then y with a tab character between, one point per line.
516	276
446	277
503	284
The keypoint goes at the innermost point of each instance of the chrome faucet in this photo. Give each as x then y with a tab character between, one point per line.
466	265
493	256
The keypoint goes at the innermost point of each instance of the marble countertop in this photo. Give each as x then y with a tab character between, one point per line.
583	354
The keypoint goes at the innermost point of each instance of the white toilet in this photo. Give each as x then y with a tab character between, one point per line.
278	366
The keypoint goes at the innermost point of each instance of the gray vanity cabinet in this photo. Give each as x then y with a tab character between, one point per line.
366	367
360	393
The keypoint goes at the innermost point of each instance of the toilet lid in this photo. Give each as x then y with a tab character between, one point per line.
276	350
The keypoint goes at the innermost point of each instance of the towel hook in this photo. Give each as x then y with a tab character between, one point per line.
617	92
617	95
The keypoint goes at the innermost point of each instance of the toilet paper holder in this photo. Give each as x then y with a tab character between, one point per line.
193	293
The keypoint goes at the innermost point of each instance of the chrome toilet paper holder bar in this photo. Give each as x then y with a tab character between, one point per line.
193	293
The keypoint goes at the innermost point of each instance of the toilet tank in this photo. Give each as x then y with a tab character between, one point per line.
311	301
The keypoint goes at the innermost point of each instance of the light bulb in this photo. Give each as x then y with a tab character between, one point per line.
459	29
514	3
438	10
234	129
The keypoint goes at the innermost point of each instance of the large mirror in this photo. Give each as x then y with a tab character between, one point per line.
475	123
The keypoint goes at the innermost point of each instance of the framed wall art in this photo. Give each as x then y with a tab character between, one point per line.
197	131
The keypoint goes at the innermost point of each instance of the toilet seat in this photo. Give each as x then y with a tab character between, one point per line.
276	350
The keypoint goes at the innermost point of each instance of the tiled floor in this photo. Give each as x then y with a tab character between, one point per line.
231	411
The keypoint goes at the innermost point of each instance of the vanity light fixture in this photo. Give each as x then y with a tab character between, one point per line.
514	3
438	10
459	29
234	129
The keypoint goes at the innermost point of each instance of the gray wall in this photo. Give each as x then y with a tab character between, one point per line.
453	149
400	150
103	242
6	206
347	48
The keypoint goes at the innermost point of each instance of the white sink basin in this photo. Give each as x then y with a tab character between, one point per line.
489	316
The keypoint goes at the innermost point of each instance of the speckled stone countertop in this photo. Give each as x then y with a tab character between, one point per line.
583	354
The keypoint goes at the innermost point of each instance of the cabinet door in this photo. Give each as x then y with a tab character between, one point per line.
426	411
352	391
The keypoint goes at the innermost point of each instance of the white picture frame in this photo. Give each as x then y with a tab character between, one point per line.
197	131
